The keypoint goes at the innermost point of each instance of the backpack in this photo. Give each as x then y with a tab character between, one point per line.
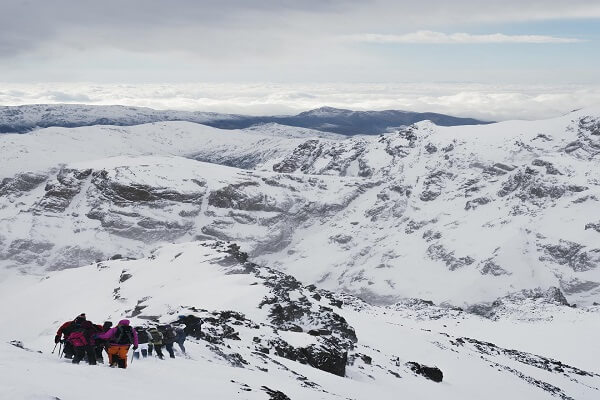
124	335
77	338
155	336
170	334
143	336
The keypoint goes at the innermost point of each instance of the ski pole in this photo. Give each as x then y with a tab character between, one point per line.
55	344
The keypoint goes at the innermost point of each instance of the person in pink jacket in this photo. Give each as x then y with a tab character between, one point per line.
120	338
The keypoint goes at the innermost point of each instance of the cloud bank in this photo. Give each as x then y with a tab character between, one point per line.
488	102
431	37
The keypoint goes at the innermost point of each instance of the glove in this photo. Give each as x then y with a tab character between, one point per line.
56	338
135	347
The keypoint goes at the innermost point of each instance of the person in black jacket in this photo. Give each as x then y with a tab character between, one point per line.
168	338
143	339
193	325
100	344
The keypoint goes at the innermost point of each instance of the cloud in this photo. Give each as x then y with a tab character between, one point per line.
489	102
431	37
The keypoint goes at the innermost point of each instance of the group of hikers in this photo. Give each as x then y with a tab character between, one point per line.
83	339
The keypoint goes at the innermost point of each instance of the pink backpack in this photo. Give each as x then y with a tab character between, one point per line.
77	339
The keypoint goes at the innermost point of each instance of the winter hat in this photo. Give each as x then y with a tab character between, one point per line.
82	316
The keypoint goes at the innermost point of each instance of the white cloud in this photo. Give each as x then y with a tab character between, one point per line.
489	102
431	37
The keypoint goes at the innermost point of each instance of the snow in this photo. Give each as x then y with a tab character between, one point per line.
387	219
190	274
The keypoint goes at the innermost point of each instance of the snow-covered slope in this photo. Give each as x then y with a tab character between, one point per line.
369	259
265	333
461	215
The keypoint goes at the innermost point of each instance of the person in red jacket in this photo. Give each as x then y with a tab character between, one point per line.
79	341
65	329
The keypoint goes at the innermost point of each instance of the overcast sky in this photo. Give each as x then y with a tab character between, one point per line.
509	44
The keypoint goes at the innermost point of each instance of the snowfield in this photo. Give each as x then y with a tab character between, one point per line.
206	279
323	267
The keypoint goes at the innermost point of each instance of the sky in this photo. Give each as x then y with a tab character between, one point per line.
543	55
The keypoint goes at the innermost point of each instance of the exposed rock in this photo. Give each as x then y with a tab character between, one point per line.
594	226
275	394
439	252
572	254
473	204
489	267
495	309
234	196
575	286
60	193
528	186
434	184
430	148
550	169
21	183
431	373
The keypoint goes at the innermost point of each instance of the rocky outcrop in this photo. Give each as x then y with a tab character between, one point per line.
431	373
60	192
574	255
21	183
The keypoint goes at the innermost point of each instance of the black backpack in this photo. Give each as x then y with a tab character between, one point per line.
124	335
169	334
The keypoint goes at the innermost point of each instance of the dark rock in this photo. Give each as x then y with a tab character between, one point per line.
21	183
319	332
233	196
473	204
438	252
434	184
594	226
432	373
430	235
275	394
60	193
430	148
489	267
572	254
574	286
550	169
124	276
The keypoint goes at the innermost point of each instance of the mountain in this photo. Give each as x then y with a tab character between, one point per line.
267	336
21	119
323	266
426	212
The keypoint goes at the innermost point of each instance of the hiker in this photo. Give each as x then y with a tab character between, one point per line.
120	337
143	339
168	338
102	344
78	339
193	325
155	342
180	337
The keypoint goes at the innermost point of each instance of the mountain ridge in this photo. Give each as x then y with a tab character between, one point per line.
22	119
